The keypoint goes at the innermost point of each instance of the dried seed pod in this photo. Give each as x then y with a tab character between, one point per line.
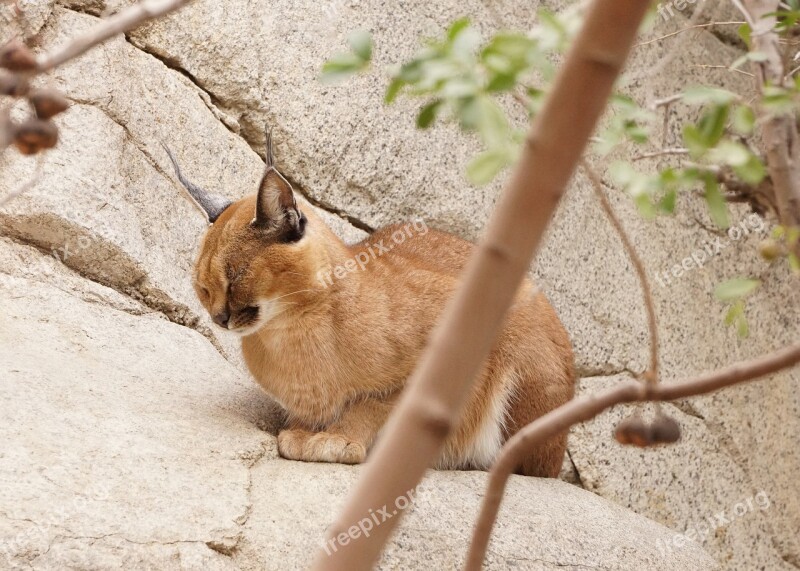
634	431
35	135
665	430
48	103
16	56
770	249
14	85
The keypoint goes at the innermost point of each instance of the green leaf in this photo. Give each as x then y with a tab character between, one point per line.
395	86
636	132
551	33
794	263
753	171
622	173
734	312
744	328
341	66
645	205
694	141
458	87
736	289
706	95
502	82
361	43
712	125
483	168
777	100
750	56
730	153
717	206
745	32
411	72
483	115
428	114
465	44
744	120
667	202
456	28
793	235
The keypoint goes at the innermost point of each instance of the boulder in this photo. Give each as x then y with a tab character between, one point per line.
135	445
108	357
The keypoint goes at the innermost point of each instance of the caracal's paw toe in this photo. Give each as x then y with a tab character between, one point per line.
291	443
324	447
320	447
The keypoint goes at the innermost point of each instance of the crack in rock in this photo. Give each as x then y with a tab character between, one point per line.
137	289
216	106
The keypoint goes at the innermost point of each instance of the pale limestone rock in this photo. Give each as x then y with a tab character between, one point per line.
116	382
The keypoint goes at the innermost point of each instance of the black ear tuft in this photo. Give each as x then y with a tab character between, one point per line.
212	205
276	206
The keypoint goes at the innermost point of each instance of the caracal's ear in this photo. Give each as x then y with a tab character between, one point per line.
276	206
212	205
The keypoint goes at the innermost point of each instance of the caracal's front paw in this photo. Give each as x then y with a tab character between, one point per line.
320	447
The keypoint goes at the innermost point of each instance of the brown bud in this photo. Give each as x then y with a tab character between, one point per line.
12	84
35	135
770	249
633	431
48	103
16	56
665	430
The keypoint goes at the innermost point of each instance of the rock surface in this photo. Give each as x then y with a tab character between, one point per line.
133	444
134	438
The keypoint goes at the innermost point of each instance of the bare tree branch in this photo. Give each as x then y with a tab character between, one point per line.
746	13
587	407
121	22
651	374
430	405
780	134
27	185
6	128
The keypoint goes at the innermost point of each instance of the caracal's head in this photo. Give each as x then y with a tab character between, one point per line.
255	261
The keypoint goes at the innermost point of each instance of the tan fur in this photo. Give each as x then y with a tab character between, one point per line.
336	357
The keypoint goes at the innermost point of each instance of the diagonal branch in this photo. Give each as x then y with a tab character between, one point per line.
28	184
587	407
457	349
119	23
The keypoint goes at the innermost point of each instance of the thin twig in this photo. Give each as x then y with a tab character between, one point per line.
726	67
682	30
666	101
746	13
661	153
647	293
121	22
587	407
27	185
